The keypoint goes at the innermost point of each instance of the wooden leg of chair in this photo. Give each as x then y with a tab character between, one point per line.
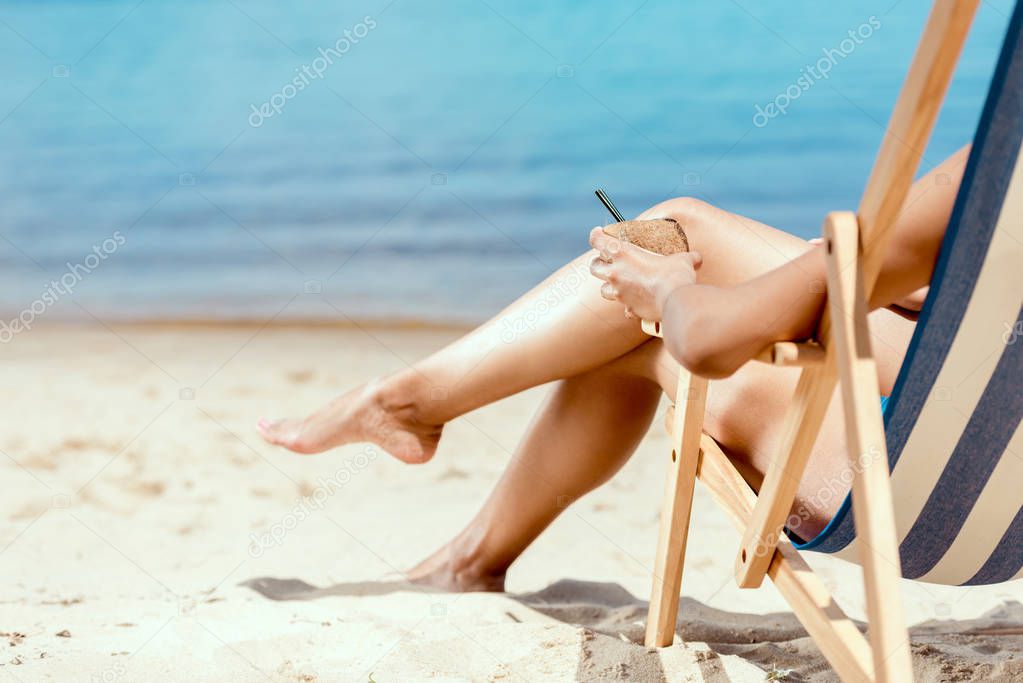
687	429
868	455
838	638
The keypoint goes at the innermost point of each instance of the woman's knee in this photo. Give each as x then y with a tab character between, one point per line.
694	215
682	209
734	248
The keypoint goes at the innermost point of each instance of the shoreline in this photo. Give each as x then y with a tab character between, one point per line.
198	323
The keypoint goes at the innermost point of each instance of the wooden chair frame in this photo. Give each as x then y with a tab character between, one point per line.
855	246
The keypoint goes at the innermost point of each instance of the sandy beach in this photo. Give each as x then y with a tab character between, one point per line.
148	533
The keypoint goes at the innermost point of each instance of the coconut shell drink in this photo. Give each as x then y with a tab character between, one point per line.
661	236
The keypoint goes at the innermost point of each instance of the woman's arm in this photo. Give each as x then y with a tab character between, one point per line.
713	331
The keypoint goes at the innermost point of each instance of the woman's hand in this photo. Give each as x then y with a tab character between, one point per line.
639	279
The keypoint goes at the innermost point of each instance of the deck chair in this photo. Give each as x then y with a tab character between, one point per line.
936	493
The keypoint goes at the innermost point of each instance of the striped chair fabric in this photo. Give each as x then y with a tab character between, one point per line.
952	424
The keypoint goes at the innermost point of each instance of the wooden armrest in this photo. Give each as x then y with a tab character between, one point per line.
793	354
652	328
783	354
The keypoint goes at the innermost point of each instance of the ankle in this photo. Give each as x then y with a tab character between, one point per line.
470	563
408	396
476	575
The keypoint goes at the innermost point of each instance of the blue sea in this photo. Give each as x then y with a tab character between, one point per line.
418	161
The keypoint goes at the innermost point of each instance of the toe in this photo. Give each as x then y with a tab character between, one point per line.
270	430
290	434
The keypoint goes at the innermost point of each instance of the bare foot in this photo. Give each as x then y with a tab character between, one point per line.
451	571
363	414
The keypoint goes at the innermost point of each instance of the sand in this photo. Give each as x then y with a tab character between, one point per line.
148	534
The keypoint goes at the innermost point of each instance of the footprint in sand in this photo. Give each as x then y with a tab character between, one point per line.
300	376
30	510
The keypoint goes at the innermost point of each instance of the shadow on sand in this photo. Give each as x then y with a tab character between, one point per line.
297	589
612	622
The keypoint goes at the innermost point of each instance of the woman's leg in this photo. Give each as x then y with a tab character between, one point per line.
584	432
561	328
592	423
746	413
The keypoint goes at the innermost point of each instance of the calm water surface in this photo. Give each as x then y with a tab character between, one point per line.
439	163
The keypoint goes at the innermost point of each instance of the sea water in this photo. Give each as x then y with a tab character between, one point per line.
418	161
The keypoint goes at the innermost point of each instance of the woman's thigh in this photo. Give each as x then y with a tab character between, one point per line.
745	414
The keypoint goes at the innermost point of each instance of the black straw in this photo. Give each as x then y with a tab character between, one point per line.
609	205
